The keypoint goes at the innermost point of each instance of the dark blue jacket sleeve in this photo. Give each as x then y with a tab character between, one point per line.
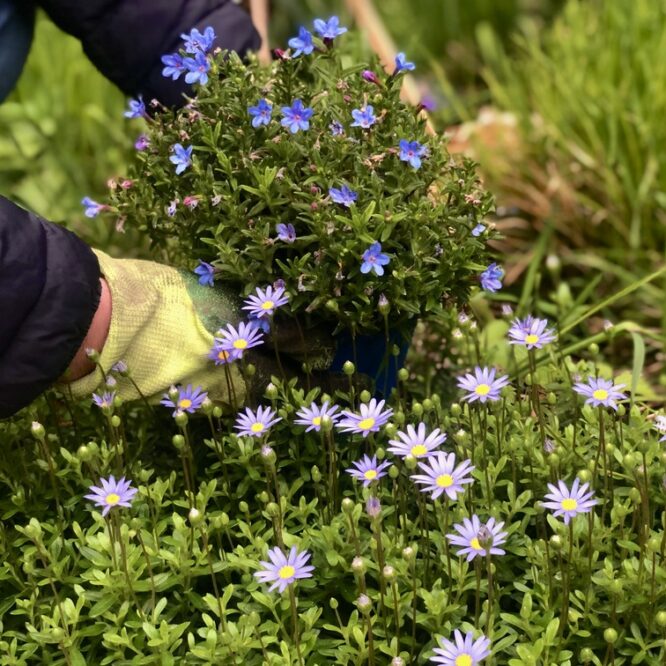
125	39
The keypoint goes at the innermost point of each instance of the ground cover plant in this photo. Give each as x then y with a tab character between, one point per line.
506	507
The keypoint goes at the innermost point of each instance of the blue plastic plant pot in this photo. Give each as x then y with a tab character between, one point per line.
371	354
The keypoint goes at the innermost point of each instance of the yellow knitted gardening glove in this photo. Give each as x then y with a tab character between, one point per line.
160	334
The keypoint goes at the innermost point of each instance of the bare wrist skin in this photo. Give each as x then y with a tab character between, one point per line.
95	338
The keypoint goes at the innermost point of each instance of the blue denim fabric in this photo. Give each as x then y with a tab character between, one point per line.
17	20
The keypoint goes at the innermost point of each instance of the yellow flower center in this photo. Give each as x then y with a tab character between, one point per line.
569	504
316	421
600	394
223	355
370	474
257	427
366	424
287	571
474	543
531	339
241	343
112	498
184	403
418	450
464	660
444	480
482	389
267	305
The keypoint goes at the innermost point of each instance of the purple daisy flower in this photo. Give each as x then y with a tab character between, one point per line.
311	416
174	66
261	113
182	157
206	273
296	117
344	196
600	392
246	337
412	152
372	417
491	278
188	400
364	117
374	260
92	208
197	69
265	301
283	570
302	44
197	42
477	538
112	493
105	400
415	442
482	385
464	652
531	332
286	232
256	424
136	108
221	355
442	476
569	503
329	29
367	469
402	64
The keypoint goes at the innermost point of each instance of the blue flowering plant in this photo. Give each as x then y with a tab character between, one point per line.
311	171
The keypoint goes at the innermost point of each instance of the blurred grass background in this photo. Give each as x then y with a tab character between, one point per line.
561	101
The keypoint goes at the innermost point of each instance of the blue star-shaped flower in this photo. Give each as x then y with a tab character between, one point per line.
296	117
329	29
182	158
344	195
374	260
197	42
261	113
206	273
174	66
302	44
491	278
197	69
137	109
92	208
402	64
412	152
364	117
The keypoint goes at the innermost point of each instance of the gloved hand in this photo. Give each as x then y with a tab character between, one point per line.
17	20
163	324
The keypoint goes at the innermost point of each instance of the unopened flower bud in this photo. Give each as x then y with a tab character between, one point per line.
390	429
358	565
389	573
347	505
115	421
410	462
661	618
316	474
393	472
263	497
456	409
417	409
178	441
272	509
403	374
370	77
365	396
268	455
84	453
217	412
110	382
207	406
38	431
635	495
33	530
243	507
610	635
408	553
348	368
485	537
195	517
586	655
397	661
555	542
92	354
271	391
250	370
383	305
399	417
333	603
181	419
364	604
373	507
